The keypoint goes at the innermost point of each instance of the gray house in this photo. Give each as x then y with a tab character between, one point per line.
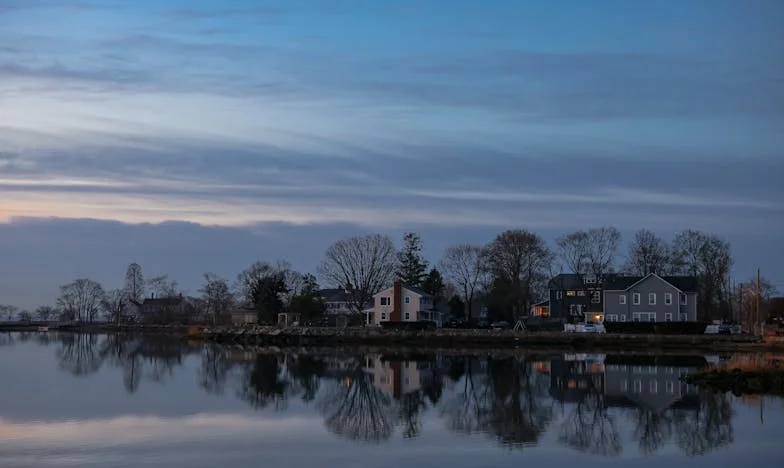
652	298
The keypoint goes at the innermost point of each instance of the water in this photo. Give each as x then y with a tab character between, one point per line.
110	401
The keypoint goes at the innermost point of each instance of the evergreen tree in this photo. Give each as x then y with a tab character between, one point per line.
434	285
411	268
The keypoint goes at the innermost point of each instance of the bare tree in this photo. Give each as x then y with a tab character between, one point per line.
134	283
364	265
45	313
162	286
707	257
217	296
25	316
249	279
463	264
114	305
8	312
81	300
573	252
520	261
648	253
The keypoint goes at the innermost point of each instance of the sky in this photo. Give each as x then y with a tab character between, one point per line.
202	135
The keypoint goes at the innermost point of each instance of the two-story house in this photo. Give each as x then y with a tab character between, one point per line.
651	298
576	297
336	301
401	303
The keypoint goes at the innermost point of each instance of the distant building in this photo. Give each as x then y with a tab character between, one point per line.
652	298
622	298
400	303
244	316
541	309
337	301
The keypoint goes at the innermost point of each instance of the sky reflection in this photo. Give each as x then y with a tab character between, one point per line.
71	403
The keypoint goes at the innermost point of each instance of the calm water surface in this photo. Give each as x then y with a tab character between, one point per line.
113	401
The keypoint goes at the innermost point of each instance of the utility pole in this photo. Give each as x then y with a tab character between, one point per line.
759	293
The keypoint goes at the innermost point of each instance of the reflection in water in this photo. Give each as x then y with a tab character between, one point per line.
591	403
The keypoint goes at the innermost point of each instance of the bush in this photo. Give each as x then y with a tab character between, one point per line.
659	328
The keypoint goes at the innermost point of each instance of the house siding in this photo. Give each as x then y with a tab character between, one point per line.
398	309
650	285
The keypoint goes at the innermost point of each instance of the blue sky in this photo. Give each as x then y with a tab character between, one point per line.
454	118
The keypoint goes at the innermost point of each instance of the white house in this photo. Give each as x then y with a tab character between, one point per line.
400	303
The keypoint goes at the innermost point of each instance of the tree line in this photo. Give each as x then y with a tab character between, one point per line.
506	275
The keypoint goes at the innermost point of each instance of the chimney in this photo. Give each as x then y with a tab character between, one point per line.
397	302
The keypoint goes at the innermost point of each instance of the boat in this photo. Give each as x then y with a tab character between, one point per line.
43	329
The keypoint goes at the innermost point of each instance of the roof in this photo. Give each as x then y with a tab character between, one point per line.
334	295
566	281
543	303
163	301
622	283
413	289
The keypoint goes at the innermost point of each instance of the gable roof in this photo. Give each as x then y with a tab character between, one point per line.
413	289
334	295
623	283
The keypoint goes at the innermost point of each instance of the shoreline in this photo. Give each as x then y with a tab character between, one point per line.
444	338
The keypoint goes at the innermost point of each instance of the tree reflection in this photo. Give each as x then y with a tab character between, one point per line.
356	409
78	354
265	382
215	367
706	428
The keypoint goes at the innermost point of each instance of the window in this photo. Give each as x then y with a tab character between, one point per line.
385	301
590	280
596	297
683	299
644	317
407	316
667	298
622	299
575	309
611	318
623	317
636	298
383	315
653	386
684	317
637	386
559	295
670	386
651	298
571	293
408	300
668	317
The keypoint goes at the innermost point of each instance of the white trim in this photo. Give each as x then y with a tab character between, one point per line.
651	295
622	299
668	295
638	296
